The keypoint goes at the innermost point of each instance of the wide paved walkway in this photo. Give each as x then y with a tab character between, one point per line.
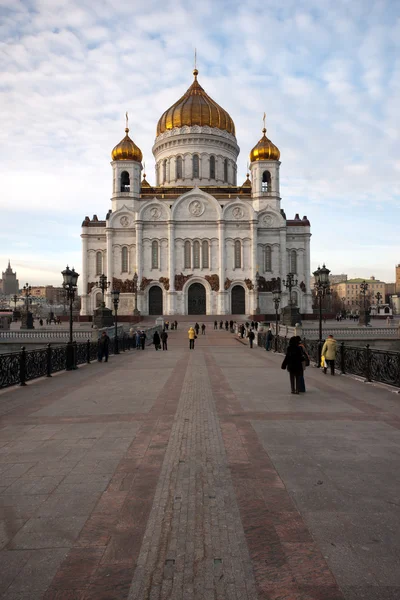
195	475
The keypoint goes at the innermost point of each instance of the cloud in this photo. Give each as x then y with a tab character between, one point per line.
327	75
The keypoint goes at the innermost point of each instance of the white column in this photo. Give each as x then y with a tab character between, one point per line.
254	240
171	268
171	255
85	259
221	256
110	265
139	240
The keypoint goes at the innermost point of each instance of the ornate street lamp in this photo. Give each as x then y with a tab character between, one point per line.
258	293
322	289
136	311
277	299
103	285
27	317
70	285
290	282
15	300
115	299
344	305
364	312
378	297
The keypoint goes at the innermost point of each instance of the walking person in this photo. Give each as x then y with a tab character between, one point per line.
137	340
329	353
176	325
242	331
221	324
203	329
192	336
293	363
251	337
197	327
156	340
305	363
215	325
226	325
268	342
104	342
164	338
143	337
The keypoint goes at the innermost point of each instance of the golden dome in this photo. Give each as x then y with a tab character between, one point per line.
264	150
127	149
195	108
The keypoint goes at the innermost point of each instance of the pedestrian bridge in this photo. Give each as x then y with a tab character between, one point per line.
188	475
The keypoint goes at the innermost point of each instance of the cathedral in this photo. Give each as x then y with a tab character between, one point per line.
196	242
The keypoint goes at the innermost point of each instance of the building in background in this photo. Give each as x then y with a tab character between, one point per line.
198	241
348	293
53	295
10	283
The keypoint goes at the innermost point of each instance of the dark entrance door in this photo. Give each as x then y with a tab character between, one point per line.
197	299
155	301
238	300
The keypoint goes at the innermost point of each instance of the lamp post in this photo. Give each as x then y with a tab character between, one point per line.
115	299
136	311
344	306
258	293
378	297
364	312
15	300
103	285
322	289
277	298
290	282
70	285
27	317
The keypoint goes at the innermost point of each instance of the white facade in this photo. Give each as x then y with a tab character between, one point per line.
179	233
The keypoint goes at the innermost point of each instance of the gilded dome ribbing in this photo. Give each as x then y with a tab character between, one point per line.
265	150
127	150
195	108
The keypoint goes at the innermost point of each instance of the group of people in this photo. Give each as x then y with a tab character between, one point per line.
174	325
161	339
227	324
297	359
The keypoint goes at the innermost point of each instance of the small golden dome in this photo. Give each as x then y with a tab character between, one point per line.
127	149
195	108
264	150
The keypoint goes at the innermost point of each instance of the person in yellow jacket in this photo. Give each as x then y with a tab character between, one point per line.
192	337
329	353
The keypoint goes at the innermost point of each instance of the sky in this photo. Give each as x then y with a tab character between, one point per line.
327	75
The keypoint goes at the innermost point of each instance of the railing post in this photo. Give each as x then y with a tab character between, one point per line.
342	364
88	352
74	355
367	363
48	360
22	366
69	357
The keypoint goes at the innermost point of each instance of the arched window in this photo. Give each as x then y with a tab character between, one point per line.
99	263
205	255
187	256
238	254
268	258
293	261
266	182
124	260
196	255
154	255
179	167
226	170
195	162
125	182
164	171
212	167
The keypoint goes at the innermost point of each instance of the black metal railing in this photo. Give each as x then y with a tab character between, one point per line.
16	368
370	363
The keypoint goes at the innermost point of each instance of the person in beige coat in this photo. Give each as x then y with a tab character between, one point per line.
329	353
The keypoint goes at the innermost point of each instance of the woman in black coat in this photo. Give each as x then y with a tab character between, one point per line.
156	340
293	363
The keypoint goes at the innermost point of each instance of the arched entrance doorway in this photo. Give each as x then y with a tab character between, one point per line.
155	301
197	299
238	298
